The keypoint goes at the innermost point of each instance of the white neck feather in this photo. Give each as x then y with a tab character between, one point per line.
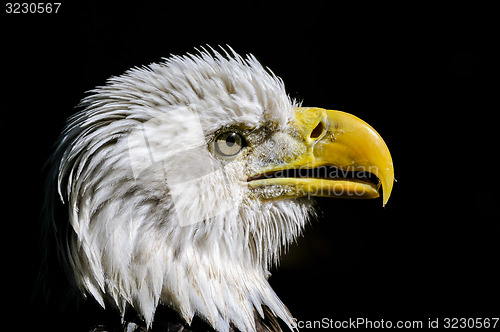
128	245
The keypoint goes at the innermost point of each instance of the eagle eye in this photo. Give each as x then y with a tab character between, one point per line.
229	144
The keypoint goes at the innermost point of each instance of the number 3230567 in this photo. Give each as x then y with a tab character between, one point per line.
32	8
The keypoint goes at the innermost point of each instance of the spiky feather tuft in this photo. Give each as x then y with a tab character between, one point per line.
132	167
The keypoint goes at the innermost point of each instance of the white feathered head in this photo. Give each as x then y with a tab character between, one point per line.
184	180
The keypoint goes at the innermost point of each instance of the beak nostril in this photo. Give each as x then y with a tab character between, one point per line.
318	130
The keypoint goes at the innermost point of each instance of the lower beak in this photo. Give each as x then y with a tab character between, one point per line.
344	157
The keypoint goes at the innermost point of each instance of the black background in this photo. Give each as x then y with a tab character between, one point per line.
424	77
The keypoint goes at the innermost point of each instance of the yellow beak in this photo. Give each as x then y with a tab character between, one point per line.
341	151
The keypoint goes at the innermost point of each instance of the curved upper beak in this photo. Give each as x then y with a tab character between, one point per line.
344	157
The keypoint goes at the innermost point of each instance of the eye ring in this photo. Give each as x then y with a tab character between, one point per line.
229	143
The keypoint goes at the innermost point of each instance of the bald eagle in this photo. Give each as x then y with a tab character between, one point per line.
183	181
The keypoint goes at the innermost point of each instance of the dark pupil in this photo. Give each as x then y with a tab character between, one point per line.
230	140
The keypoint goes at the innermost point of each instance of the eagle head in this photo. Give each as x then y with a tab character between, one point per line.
184	180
